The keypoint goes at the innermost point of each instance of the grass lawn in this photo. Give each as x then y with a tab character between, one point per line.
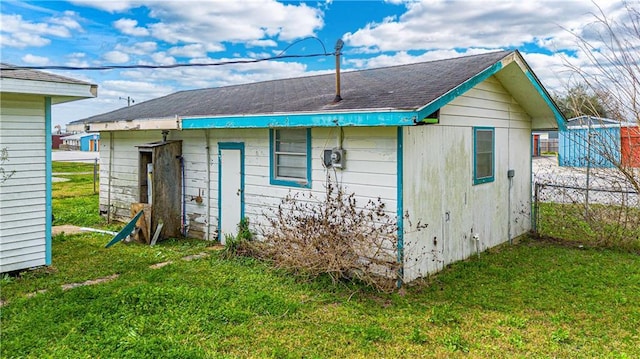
533	299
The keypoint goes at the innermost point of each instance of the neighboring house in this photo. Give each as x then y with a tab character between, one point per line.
447	142
81	142
26	97
598	142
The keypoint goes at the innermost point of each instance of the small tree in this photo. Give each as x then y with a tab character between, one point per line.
611	79
580	100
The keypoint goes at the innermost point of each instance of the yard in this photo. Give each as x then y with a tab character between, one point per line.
181	299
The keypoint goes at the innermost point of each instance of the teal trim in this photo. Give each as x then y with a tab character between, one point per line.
400	203
289	183
477	180
329	119
48	208
230	146
562	125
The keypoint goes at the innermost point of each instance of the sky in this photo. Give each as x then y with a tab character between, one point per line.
85	33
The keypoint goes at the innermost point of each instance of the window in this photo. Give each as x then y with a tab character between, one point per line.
483	157
290	159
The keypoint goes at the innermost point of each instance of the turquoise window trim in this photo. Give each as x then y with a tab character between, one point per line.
491	178
400	203
230	146
272	171
48	186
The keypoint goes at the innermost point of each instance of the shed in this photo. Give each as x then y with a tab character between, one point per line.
630	145
589	141
26	97
447	142
82	141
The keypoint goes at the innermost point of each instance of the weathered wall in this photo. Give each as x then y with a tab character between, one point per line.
23	195
370	170
438	180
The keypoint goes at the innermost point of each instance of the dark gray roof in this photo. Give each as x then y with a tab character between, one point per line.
8	71
404	87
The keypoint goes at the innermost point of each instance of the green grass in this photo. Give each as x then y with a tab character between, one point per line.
74	200
69	167
532	299
607	226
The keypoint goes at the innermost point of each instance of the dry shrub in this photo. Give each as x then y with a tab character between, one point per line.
332	235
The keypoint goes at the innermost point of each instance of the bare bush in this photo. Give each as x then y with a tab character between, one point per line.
333	236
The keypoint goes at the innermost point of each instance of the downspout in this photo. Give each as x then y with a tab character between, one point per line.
109	177
400	205
206	137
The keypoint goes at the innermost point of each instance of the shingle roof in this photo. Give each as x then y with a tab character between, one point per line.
7	71
404	87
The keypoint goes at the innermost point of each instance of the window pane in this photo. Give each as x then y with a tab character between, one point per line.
290	153
484	148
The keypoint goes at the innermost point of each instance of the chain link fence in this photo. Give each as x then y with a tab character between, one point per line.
591	215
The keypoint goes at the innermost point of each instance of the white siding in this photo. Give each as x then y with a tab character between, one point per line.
23	195
370	170
438	180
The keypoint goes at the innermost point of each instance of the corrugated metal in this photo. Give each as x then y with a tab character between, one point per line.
630	146
596	146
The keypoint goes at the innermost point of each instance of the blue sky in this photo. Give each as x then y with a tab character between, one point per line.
383	33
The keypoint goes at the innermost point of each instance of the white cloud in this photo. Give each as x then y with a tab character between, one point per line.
139	48
428	25
116	57
261	43
192	50
35	60
77	59
232	21
109	6
130	27
161	58
20	33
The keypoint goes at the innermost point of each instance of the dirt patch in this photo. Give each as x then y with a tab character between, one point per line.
195	256
160	265
66	229
89	282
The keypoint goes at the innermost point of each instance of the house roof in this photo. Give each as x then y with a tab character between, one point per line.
397	95
78	136
592	121
60	88
10	71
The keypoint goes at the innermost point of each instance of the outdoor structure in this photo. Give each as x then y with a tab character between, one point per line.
26	97
598	142
81	142
447	142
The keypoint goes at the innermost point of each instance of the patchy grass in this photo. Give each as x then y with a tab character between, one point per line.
605	226
532	299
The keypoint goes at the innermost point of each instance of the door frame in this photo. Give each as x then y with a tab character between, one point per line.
238	146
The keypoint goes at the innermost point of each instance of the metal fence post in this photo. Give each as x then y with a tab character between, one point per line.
95	174
535	208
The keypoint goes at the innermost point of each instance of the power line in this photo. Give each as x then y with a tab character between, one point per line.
173	66
281	55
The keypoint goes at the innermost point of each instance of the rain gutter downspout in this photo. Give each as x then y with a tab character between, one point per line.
184	201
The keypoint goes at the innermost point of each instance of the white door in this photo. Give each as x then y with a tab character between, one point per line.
231	189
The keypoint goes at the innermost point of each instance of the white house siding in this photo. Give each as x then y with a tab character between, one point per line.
370	170
23	195
438	180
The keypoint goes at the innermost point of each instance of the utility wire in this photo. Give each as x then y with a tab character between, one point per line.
173	66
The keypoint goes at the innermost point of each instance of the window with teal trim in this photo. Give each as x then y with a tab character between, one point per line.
483	154
290	157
